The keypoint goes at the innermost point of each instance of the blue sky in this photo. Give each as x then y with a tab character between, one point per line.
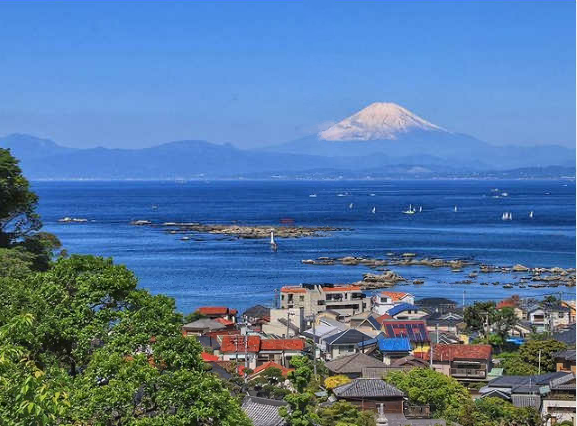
138	73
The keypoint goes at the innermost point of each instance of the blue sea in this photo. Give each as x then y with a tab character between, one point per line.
219	270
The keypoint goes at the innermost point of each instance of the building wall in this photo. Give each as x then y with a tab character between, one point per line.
389	405
560	410
277	328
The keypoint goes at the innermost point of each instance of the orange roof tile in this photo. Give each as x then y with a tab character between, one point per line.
282	344
240	344
208	357
342	288
271	364
214	310
293	289
224	321
395	295
443	352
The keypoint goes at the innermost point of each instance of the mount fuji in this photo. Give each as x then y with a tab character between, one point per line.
402	137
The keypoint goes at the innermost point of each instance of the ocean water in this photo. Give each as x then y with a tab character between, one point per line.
218	270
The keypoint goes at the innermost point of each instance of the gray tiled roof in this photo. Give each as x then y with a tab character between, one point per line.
567	355
367	388
203	324
263	411
352	363
347	337
515	381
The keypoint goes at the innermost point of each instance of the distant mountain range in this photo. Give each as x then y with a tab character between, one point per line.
382	140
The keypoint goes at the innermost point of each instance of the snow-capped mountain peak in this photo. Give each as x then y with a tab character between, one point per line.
380	120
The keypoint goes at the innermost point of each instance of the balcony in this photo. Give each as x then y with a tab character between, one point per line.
468	373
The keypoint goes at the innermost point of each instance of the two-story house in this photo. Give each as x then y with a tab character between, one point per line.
462	362
388	299
344	299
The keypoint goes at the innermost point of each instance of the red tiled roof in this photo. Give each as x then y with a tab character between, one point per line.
271	364
224	321
208	357
394	295
339	288
507	303
384	317
240	344
214	310
443	352
282	344
292	289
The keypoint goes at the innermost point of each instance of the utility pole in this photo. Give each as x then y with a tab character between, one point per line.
288	321
314	344
464	299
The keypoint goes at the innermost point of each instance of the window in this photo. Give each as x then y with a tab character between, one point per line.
302	298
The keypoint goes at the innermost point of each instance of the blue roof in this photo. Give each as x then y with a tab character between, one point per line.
401	307
395	344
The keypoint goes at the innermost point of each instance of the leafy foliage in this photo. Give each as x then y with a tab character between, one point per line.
343	413
447	397
495	411
94	349
17	202
336	381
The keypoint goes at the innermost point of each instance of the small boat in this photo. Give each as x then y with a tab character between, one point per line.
531	214
313	196
504	194
455	209
374	210
351	206
372	195
185	238
411	210
418	282
154	207
507	286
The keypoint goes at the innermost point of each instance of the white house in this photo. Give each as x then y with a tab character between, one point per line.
389	299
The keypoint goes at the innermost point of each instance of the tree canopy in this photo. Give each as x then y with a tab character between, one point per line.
81	344
17	203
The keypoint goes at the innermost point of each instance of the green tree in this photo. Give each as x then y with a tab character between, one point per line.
513	365
534	350
497	412
343	413
447	397
103	351
478	315
301	409
17	203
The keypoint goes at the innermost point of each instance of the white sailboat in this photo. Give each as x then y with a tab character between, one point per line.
531	214
420	209
410	211
273	243
313	195
374	210
455	209
351	206
507	216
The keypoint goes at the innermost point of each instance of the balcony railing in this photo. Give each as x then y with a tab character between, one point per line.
472	373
